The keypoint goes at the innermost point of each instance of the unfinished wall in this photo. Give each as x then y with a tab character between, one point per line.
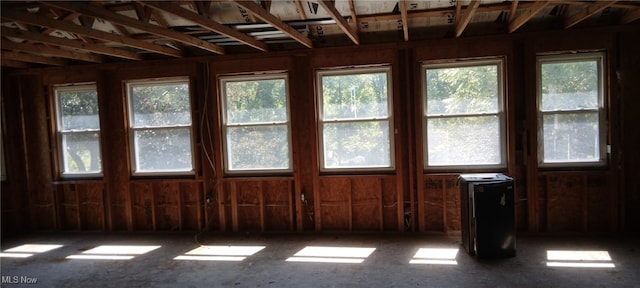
408	199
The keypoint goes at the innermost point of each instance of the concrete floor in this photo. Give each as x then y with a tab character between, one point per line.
386	262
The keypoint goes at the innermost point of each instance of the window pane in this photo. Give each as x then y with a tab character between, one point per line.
356	144
81	152
164	104
163	149
571	137
462	90
355	96
79	110
569	86
464	141
258	147
257	101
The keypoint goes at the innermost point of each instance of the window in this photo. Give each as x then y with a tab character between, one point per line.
78	130
464	122
160	122
570	110
256	123
355	119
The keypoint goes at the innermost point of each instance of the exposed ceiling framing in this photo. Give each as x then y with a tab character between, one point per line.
52	33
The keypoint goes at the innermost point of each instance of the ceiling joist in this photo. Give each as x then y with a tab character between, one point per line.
13	63
329	7
630	16
343	24
354	16
466	17
100	12
405	21
274	21
512	11
84	31
32	58
587	12
300	10
95	48
207	24
524	17
51	51
89	31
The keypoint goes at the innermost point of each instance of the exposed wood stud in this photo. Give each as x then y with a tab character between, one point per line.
265	16
300	10
133	23
143	13
524	17
14	63
462	23
70	43
266	5
587	12
439	12
405	21
346	28
233	192
354	16
203	7
76	29
208	24
513	10
51	51
630	16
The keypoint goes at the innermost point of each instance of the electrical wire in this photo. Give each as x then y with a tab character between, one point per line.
205	123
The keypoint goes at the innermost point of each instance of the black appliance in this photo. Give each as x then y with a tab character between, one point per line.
487	215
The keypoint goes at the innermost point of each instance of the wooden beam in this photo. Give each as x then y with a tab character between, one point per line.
354	16
440	11
203	7
51	51
405	21
333	12
300	10
76	29
207	24
95	48
143	13
32	58
630	16
512	11
266	4
586	13
13	63
274	21
524	17
107	15
468	14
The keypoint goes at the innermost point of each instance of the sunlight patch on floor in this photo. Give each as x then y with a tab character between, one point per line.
320	254
114	252
437	256
28	250
220	253
579	259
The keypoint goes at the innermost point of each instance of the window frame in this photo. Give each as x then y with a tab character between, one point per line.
62	169
342	71
222	80
133	151
600	58
499	62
